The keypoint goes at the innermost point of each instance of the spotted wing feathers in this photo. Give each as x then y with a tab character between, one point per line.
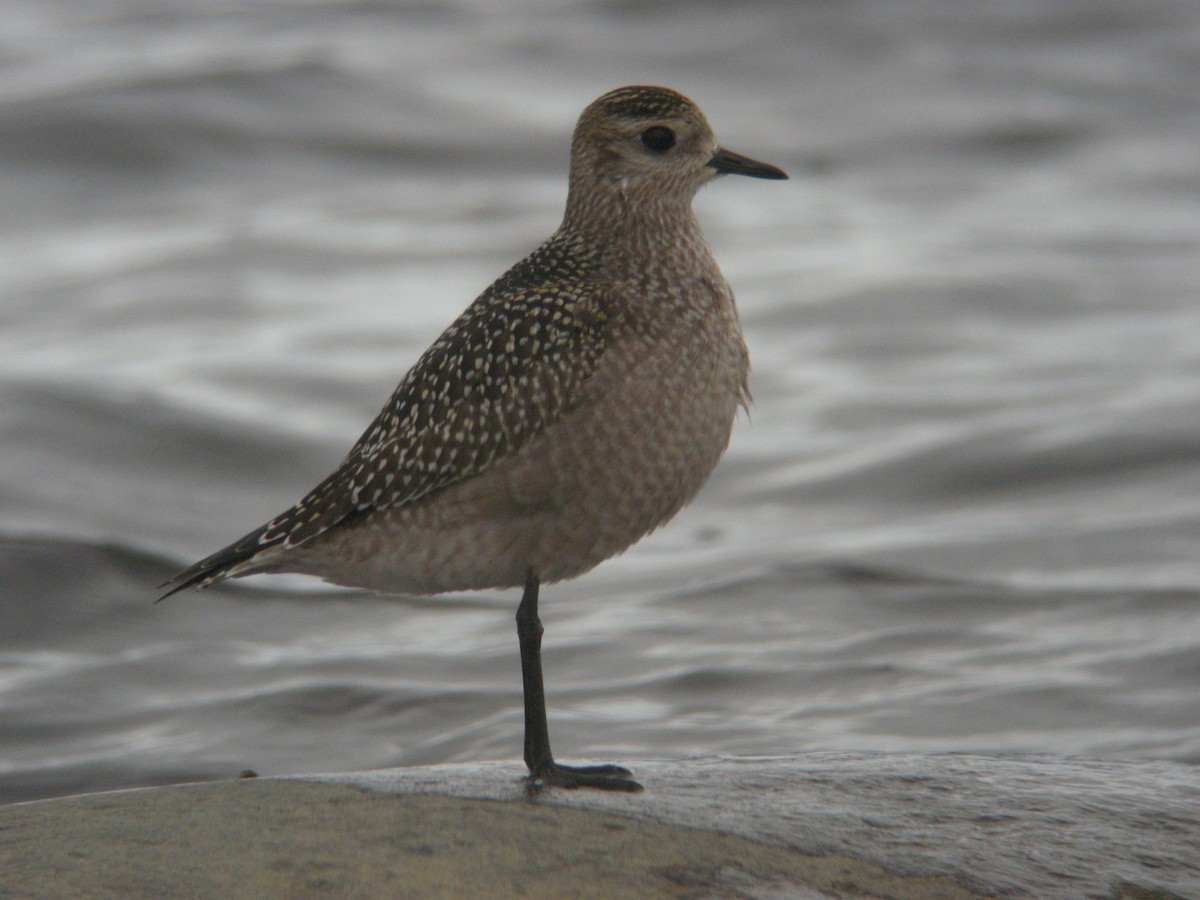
512	363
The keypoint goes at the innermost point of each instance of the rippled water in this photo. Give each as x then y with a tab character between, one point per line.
963	516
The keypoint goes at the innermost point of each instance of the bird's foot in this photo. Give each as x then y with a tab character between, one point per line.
604	778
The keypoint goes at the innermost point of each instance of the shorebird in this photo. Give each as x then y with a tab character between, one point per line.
578	404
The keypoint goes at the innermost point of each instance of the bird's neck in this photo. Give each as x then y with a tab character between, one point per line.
619	225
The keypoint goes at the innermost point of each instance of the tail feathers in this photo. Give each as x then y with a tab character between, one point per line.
229	562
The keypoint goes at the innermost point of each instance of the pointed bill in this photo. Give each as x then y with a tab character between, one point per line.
726	162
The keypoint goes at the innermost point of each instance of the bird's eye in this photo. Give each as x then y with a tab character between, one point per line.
658	139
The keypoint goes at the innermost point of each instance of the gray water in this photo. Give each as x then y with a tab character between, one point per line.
963	515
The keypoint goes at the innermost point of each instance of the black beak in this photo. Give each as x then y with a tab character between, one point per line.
726	162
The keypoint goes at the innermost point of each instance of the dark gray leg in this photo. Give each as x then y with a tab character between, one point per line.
543	770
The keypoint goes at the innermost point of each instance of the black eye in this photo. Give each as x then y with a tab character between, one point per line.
658	139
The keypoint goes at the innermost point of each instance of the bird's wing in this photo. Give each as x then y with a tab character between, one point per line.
511	364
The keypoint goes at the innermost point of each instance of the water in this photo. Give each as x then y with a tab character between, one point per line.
962	517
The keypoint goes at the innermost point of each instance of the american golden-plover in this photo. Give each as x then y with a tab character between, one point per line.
578	404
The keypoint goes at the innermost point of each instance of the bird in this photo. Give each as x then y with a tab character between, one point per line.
575	406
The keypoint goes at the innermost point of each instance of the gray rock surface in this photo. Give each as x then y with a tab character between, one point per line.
819	825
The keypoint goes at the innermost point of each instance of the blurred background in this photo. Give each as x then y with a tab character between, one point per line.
963	515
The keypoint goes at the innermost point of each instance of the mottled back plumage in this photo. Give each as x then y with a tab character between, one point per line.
577	404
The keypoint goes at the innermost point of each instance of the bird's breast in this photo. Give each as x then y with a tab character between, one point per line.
652	424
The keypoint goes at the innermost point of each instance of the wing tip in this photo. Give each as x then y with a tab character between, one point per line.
232	561
198	576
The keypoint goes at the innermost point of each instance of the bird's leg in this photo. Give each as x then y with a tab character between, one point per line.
543	770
